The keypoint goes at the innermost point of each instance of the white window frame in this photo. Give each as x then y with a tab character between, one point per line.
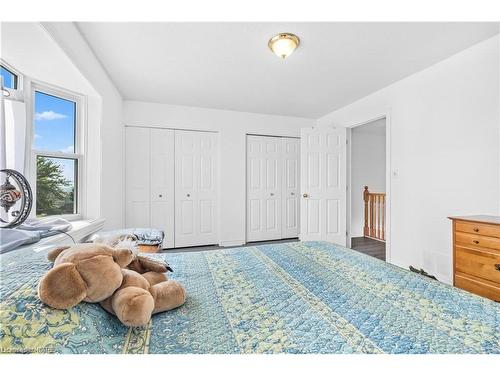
80	145
20	80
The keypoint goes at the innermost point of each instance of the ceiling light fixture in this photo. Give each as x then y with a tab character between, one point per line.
283	44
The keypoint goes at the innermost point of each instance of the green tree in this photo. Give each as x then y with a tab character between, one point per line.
51	188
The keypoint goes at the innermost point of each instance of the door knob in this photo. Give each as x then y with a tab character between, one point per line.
160	195
305	195
272	194
292	193
188	195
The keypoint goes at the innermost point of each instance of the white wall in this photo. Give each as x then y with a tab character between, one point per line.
232	127
444	134
111	137
367	169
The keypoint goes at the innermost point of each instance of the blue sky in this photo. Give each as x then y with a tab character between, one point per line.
55	128
8	78
54	123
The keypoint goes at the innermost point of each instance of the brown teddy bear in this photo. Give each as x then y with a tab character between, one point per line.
130	286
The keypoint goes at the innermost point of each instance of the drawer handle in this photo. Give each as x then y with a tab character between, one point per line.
476	241
497	266
476	229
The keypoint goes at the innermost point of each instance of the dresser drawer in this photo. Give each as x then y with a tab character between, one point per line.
480	263
478	228
478	286
468	239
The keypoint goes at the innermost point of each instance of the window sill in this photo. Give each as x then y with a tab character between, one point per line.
81	230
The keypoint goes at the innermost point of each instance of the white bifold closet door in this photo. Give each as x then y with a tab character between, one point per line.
291	188
272	188
149	187
196	188
137	177
162	183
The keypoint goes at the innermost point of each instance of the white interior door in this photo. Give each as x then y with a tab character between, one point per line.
264	188
162	143
196	188
291	188
137	176
323	185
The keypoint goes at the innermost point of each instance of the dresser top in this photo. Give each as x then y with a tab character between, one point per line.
478	219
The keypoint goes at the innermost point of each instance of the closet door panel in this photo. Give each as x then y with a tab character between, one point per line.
254	187
291	187
196	177
206	217
137	177
162	183
264	192
186	227
207	177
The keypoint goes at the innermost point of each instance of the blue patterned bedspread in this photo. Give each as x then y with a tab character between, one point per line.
304	297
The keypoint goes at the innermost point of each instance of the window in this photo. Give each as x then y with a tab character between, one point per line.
56	157
9	78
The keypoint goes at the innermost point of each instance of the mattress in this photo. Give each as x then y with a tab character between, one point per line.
304	297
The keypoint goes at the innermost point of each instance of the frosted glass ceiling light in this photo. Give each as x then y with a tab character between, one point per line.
283	44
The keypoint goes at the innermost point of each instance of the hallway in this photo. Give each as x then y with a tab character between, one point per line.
369	246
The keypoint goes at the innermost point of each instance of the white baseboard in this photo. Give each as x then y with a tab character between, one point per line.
231	243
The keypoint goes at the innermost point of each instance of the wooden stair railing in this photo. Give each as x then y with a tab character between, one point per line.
374	215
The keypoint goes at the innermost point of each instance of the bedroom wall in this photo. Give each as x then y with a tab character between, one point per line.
367	169
111	136
232	127
444	138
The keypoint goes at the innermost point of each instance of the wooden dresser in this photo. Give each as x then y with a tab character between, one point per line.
476	255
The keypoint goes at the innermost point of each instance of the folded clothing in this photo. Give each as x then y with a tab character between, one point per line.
145	236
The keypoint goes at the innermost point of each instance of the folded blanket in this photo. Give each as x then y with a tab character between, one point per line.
11	239
47	226
145	236
31	231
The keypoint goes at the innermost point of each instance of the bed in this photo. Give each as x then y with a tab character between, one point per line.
303	297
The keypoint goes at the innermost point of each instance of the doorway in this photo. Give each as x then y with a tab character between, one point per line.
367	201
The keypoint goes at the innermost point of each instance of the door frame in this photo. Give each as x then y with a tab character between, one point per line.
388	179
246	174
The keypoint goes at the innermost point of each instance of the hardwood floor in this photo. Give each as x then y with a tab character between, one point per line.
369	246
215	247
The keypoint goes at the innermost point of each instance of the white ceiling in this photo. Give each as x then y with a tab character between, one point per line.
228	65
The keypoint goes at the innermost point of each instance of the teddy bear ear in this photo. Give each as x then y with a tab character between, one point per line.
54	253
123	256
62	287
156	265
